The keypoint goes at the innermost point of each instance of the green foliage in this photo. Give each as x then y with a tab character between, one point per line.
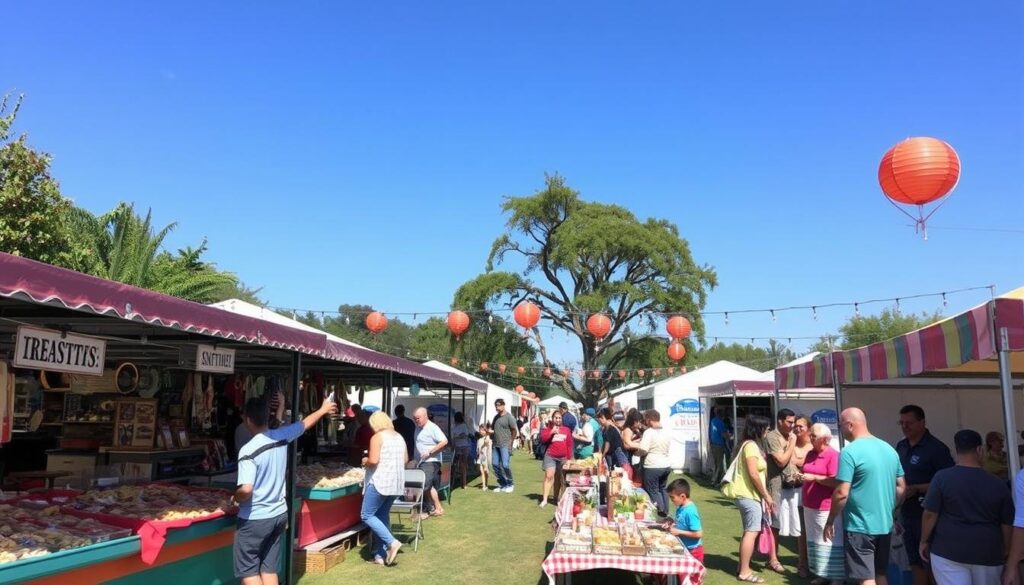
580	257
33	213
865	330
752	356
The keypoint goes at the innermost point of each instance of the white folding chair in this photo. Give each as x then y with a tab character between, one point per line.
412	502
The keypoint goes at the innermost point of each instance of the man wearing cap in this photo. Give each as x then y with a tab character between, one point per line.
922	456
568	419
584	436
967	519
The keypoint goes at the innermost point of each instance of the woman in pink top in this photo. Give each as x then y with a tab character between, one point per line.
819	481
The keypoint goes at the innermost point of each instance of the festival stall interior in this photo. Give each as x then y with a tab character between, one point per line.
119	407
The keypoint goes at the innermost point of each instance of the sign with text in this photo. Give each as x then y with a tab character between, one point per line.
215	360
56	351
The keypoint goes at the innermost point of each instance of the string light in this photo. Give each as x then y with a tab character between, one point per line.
814	313
773	315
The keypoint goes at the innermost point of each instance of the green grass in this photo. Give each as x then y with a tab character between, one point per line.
486	537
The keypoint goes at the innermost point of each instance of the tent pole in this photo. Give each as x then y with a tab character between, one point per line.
735	417
449	434
1006	385
385	391
292	459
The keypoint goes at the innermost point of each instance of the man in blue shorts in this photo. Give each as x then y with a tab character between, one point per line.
263	511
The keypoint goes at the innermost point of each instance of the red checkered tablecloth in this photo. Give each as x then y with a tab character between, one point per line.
689	569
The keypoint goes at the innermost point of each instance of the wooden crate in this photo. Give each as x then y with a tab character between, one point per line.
319	562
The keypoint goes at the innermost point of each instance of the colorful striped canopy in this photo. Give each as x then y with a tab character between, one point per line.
960	344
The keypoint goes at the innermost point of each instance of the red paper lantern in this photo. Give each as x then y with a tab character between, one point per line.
502	368
676	351
671	371
484	366
622	374
520	370
678	327
657	371
599	325
527	315
458	323
376	322
520	389
918	171
641	373
455	361
547	372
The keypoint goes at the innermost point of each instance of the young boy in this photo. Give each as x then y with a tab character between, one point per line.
687	526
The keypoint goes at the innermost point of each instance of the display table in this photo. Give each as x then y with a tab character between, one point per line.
326	512
47	476
200	554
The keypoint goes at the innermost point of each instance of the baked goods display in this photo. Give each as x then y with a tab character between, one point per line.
632	544
321	476
661	543
26	533
580	464
573	541
155	501
607	540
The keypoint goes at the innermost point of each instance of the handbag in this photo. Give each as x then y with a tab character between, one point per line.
766	538
897	549
732	475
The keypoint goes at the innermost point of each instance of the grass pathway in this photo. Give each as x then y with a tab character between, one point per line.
485	537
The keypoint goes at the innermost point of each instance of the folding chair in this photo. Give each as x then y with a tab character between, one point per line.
412	502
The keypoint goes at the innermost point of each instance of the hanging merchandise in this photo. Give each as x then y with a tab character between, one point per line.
126	378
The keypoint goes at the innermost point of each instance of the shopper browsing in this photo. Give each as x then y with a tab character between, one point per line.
504	431
263	509
430	442
558	439
385	481
687	525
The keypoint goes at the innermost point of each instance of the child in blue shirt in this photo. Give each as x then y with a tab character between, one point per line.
687	525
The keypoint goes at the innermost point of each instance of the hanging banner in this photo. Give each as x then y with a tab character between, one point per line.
215	360
57	351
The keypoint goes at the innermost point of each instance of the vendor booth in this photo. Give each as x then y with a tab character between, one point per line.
109	387
677	401
965	371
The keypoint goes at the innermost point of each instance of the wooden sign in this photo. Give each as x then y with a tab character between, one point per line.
57	351
216	360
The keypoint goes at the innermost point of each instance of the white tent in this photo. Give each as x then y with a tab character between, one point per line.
484	404
554	401
624	397
677	401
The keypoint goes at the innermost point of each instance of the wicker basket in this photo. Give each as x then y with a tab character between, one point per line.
321	561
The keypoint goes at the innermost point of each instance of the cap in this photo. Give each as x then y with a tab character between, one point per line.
618	416
590	412
563	405
966	440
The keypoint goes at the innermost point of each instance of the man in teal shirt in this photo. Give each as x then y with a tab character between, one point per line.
870	486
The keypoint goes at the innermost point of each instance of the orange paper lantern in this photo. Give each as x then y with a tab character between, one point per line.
376	322
918	171
599	325
622	374
520	389
678	327
520	370
502	368
458	323
641	373
671	371
657	371
484	366
455	361
676	351
527	315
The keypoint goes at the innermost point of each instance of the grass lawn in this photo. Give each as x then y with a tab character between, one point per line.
487	537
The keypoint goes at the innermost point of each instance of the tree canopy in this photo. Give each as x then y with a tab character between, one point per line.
576	258
861	330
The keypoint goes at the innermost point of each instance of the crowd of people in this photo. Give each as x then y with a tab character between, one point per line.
953	516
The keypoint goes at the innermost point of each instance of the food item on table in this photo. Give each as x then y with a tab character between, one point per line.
155	501
569	540
328	476
606	539
580	464
23	536
661	542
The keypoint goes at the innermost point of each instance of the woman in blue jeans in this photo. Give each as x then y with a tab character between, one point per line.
385	481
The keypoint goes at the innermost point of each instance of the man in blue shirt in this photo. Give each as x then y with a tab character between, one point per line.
263	511
719	437
567	417
922	456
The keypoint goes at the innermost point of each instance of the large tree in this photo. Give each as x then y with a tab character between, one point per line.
752	356
576	258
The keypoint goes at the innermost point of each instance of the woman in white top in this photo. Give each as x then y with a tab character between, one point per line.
460	434
385	481
654	448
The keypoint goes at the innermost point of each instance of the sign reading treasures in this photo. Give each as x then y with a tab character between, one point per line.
215	360
44	349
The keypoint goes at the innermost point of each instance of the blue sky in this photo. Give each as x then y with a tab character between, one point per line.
359	152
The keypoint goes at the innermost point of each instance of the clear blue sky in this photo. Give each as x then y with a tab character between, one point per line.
358	152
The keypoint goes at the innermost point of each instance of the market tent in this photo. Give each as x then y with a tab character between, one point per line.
553	401
963	370
485	406
624	398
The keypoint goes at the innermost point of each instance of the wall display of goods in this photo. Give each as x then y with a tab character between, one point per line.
28	532
135	423
328	476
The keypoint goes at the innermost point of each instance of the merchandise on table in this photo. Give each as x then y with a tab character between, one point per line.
161	502
25	533
607	540
661	543
322	476
580	465
572	541
632	544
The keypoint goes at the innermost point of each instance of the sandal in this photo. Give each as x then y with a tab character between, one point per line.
777	567
750	578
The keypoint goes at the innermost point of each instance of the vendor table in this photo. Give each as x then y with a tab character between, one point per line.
326	512
49	476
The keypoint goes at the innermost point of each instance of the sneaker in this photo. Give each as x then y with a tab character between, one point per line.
543	504
510	489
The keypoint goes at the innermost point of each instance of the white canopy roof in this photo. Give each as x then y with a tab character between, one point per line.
554	401
720	371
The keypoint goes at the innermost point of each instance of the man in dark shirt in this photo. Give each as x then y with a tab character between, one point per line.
922	456
405	427
614	454
568	419
968	516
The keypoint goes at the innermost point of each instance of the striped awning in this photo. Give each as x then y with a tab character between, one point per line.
964	343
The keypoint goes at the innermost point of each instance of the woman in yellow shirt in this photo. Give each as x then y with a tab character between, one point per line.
995	456
751	493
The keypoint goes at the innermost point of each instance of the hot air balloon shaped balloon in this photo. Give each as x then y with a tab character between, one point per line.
919	171
458	323
527	315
